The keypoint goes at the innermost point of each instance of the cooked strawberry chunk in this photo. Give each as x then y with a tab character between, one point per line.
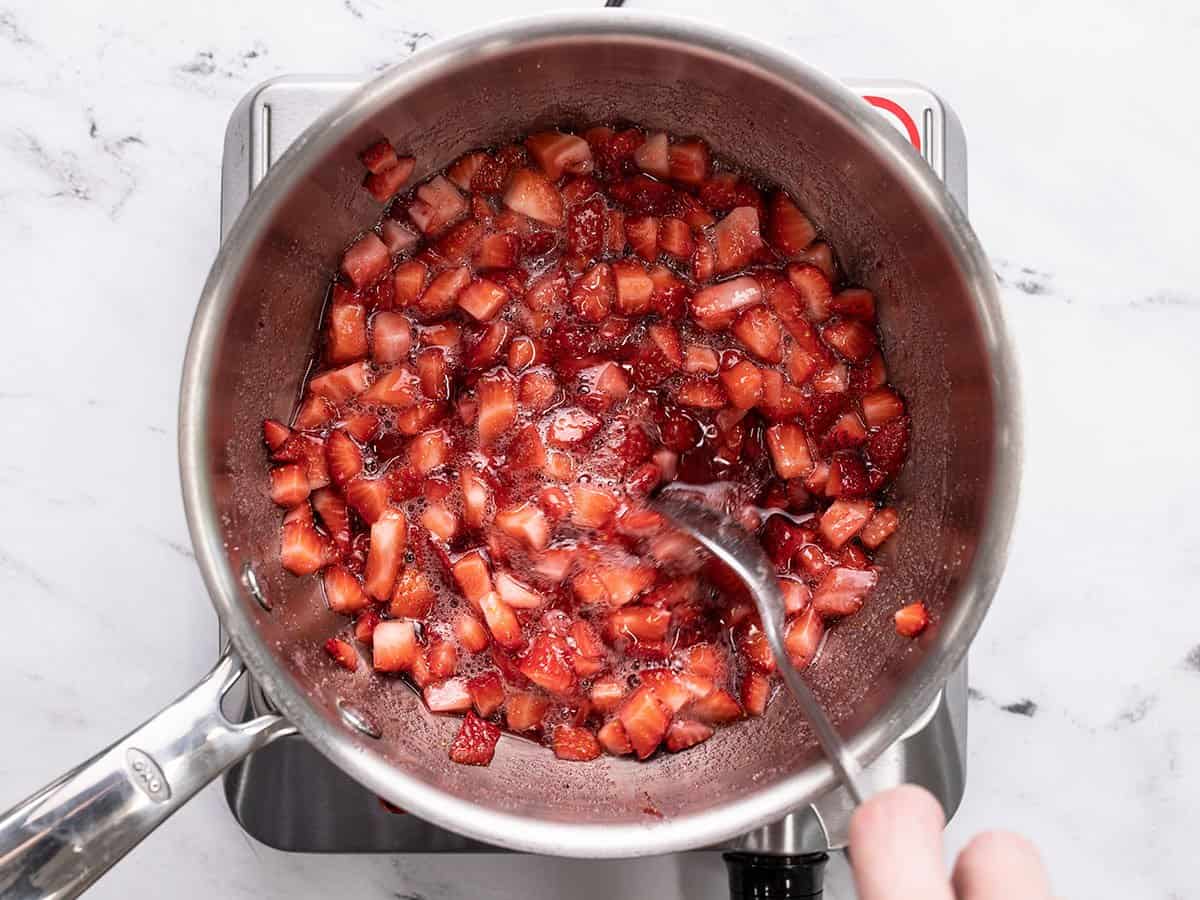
471	634
412	596
501	621
365	260
408	282
516	594
633	287
685	733
346	339
368	498
881	406
379	157
531	194
755	691
547	664
475	743
653	155
802	637
641	623
342	384
911	620
487	693
524	710
843	520
571	426
428	451
645	721
497	407
450	695
613	739
718	707
343	592
593	507
289	485
275	434
847	476
790	231
477	497
624	584
397	238
302	549
394	646
440	521
701	394
843	590
557	153
442	294
689	162
386	552
813	287
716	307
438	203
642	234
386	184
789	450
736	239
342	653
882	525
483	299
760	332
575	743
743	384
526	523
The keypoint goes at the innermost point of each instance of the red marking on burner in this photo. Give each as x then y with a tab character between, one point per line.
914	136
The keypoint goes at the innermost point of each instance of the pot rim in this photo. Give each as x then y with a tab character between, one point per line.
340	746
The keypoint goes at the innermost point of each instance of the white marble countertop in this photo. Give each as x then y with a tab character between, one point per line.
1083	140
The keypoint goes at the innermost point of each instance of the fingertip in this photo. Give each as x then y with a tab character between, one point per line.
1001	858
906	806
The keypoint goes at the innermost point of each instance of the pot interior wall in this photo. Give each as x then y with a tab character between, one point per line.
934	345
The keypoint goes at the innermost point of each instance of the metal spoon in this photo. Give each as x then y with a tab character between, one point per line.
727	541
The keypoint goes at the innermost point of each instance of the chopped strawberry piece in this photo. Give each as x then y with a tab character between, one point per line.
736	239
593	293
365	624
448	696
557	153
516	594
847	432
463	169
473	576
431	371
335	519
575	743
386	184
440	522
755	691
475	743
442	294
531	194
911	620
471	634
743	384
525	523
760	332
701	394
847	476
367	497
483	299
700	360
428	451
675	238
476	498
642	234
653	155
607	383
343	593
340	385
593	506
802	637
524	710
645	721
343	457
718	707
302	549
412	598
886	450
365	260
686	733
438	204
501	621
547	664
842	591
756	650
459	243
397	387
361	426
881	527
539	390
388	535
843	520
441	658
571	426
813	287
346	339
394	646
789	450
497	407
689	162
342	653
408	282
851	338
289	485
624	584
642	623
633	287
586	224
881	406
854	303
379	157
613	739
790	231
716	307
275	434
487	693
497	251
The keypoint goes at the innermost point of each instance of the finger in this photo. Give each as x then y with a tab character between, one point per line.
998	865
896	847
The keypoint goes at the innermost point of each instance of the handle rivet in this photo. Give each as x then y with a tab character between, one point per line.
358	720
250	580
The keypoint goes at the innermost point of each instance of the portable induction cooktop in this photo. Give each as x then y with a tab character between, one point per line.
333	813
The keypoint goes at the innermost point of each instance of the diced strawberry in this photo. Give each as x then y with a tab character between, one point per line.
911	620
718	707
643	195
459	243
346	337
487	693
789	450
340	385
847	432
531	194
790	231
557	153
302	549
716	307
483	299
755	691
642	234
408	282
814	289
431	371
842	591
366	497
802	637
289	485
438	203
689	161
613	739
441	658
497	251
524	710
526	523
379	157
472	575
335	520
442	294
693	212
450	695
624	584
843	520
756	650
547	664
854	303
497	407
645	721
516	594
847	476
412	598
886	450
851	338
881	527
701	394
471	634
342	653
593	293
704	260
365	624
607	383
343	457
539	389
463	169
579	188
501	621
363	427
736	239
275	434
881	405
343	593
388	535
698	359
365	260
760	332
593	506
855	556
397	387
477	495
586	224
428	451
653	156
675	238
475	743
642	623
685	733
575	743
440	522
743	384
394	646
633	287
386	184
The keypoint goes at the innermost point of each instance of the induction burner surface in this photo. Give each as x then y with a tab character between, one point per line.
334	814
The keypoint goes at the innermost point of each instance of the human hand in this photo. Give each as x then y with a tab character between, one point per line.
896	854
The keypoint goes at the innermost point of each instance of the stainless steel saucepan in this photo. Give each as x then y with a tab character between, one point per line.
898	232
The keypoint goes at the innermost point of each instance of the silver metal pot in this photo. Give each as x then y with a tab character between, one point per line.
898	232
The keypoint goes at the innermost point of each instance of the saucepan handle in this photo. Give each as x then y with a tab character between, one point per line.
56	843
